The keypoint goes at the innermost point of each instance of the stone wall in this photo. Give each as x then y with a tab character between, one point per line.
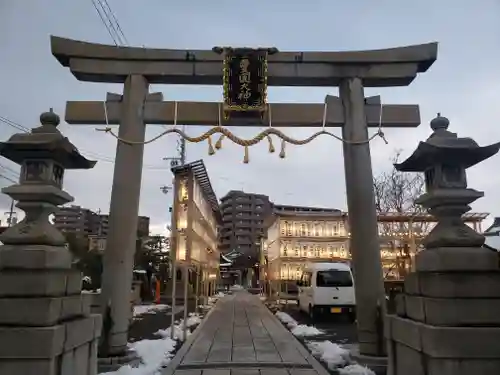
448	321
46	325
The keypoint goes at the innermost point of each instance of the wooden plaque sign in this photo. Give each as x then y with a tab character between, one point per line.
245	83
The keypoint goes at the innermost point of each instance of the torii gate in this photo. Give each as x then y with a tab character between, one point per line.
136	68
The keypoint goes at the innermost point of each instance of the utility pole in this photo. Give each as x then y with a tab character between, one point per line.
175	161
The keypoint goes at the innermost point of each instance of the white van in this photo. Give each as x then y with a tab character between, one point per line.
327	288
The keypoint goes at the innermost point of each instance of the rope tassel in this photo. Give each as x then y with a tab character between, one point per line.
218	144
271	146
211	150
282	152
246	158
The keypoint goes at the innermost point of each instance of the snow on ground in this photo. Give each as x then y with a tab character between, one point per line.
157	353
148	309
154	354
192	321
337	358
333	355
303	330
355	369
297	329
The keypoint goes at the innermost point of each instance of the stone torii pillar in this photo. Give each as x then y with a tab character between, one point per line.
351	71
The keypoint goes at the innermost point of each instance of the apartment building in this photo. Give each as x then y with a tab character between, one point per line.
103	227
298	235
86	223
77	220
243	216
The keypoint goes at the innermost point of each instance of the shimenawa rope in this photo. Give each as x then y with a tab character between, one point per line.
219	129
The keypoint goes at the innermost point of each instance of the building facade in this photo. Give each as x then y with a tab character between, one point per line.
77	220
195	221
243	216
298	235
87	224
103	225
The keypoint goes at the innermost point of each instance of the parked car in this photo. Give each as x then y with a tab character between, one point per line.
327	288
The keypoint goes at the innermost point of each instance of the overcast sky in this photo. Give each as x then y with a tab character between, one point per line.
464	85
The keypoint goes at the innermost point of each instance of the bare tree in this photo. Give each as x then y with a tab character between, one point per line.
395	194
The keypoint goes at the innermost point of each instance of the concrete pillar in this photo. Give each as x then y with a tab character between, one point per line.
365	247
123	217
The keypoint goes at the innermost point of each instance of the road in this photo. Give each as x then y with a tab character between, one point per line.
337	329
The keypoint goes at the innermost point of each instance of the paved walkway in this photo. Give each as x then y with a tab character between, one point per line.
240	336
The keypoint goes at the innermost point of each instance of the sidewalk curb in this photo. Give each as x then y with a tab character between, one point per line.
174	363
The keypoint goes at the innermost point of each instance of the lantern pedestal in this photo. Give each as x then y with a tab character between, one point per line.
46	327
447	320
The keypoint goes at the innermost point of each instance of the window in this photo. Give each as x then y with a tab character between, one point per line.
305	280
302	229
333	278
335	229
304	251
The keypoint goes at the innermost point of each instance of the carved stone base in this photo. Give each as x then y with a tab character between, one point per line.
446	259
46	327
448	319
423	349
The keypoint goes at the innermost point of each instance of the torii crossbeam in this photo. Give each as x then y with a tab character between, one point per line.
350	71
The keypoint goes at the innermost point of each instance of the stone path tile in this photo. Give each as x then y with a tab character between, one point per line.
241	337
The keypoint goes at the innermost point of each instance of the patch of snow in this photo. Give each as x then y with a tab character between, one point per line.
87	279
295	328
355	369
237	287
332	354
178	332
154	354
193	320
148	309
337	358
304	330
286	319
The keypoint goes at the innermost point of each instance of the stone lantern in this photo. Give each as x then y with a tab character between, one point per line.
45	323
448	318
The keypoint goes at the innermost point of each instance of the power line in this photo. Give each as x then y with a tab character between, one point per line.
117	24
8	178
110	21
92	154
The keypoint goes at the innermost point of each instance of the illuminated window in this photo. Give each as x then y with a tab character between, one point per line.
304	251
335	229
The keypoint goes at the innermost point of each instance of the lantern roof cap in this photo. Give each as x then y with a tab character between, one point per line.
445	147
45	142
